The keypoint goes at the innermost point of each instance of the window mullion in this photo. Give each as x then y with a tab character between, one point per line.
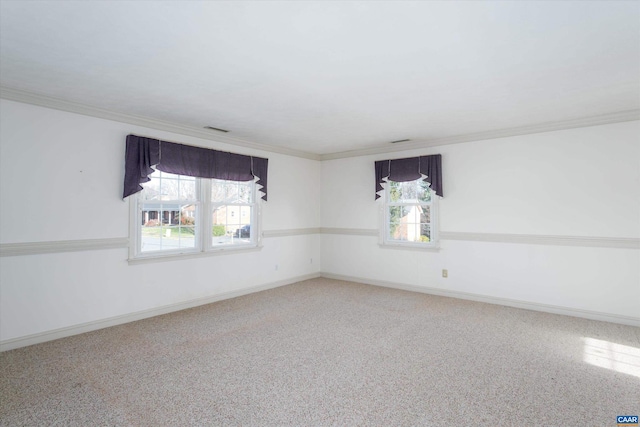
135	218
204	233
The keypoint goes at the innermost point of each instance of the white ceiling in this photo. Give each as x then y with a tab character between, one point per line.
327	77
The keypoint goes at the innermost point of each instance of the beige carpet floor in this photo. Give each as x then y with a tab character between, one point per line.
325	352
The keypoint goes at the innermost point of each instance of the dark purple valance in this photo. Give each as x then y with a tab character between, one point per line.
143	153
410	169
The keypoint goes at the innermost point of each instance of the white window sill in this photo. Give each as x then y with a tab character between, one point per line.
148	259
411	247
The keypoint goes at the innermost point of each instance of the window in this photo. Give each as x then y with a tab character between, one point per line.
168	213
232	212
177	214
409	215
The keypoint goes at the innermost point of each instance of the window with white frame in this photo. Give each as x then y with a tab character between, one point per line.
177	214
232	212
409	214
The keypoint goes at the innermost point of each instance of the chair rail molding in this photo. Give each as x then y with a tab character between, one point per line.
35	248
532	239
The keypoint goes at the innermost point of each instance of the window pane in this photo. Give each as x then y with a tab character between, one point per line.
187	189
151	189
409	191
245	215
414	214
404	223
395	192
188	215
425	214
424	191
165	186
231	191
395	213
425	232
399	216
224	191
406	191
151	240
167	226
231	225
397	231
216	191
169	188
244	192
187	237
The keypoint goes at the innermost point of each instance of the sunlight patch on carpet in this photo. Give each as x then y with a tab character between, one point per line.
609	355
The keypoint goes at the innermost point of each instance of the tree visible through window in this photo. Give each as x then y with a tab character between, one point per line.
182	214
409	215
169	208
232	205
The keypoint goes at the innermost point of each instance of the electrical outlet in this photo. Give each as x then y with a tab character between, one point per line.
445	273
310	260
276	267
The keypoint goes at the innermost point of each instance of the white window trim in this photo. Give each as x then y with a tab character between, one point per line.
383	237
203	242
256	221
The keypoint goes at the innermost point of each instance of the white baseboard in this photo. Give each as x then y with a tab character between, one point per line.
38	338
55	334
566	311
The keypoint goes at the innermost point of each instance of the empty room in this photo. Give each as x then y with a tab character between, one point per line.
353	213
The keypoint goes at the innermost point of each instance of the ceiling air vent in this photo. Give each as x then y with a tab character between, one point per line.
400	140
218	129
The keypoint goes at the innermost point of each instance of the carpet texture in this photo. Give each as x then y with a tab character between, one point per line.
325	352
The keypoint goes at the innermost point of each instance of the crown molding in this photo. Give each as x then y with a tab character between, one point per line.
88	110
618	117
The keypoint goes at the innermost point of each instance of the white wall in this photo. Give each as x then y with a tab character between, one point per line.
61	179
581	182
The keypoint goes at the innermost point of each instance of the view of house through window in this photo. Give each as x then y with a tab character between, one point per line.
169	208
232	211
171	212
409	213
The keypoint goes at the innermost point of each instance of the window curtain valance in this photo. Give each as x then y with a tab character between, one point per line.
410	169
143	153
